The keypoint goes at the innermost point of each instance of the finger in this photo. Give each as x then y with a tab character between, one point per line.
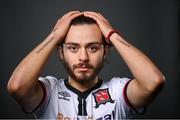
101	15
95	17
90	13
75	15
96	14
67	15
92	16
68	19
70	13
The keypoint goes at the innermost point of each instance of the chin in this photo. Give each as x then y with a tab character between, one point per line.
84	77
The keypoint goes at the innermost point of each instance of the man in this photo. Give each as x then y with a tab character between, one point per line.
83	95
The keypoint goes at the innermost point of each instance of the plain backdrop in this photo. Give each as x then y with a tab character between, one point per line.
150	25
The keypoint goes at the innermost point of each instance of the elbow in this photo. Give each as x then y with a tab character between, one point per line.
15	86
160	81
157	83
12	86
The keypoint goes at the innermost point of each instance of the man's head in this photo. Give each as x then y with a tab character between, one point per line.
83	50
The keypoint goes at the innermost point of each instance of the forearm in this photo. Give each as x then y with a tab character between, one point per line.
25	75
142	68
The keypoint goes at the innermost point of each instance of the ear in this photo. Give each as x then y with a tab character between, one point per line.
106	51
60	53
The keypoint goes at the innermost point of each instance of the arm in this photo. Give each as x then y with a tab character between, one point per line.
23	84
148	79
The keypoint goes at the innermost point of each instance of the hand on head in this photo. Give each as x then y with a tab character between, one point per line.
102	22
63	24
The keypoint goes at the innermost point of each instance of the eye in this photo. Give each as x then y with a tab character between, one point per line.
72	48
93	48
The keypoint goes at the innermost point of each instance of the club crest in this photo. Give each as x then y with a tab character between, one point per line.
102	96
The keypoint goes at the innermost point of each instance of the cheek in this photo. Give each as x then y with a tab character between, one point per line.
68	59
97	59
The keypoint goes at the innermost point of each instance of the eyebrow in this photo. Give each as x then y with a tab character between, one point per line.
71	43
88	44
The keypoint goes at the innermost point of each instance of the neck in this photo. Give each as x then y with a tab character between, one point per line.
82	86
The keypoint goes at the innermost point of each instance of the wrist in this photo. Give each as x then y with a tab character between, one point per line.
57	38
110	34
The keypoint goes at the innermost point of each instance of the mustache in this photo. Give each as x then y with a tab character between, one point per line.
85	65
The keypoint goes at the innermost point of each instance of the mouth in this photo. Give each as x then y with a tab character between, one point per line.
83	69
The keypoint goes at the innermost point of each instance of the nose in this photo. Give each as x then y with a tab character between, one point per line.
83	56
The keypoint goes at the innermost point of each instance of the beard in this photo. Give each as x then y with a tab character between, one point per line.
83	77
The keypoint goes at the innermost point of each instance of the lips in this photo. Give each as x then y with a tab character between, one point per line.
83	69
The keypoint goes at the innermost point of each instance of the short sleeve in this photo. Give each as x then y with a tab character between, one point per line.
47	83
117	86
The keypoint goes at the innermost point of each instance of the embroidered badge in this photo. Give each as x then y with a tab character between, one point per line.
64	95
102	96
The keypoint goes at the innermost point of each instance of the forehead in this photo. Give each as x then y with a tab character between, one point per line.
84	34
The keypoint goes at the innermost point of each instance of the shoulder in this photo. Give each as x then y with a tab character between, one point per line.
50	81
118	81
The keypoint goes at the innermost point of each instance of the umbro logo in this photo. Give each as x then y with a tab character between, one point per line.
64	95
